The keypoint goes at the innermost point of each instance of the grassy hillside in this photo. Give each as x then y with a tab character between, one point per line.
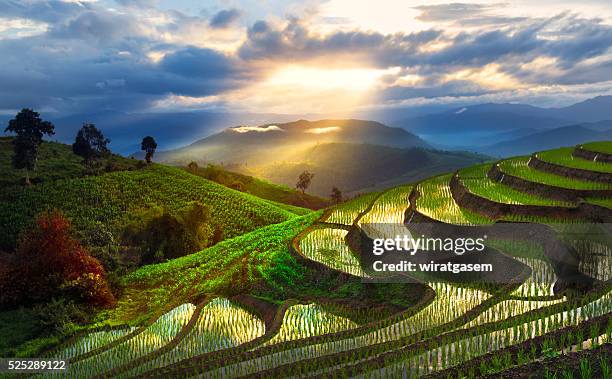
260	188
356	167
111	199
57	161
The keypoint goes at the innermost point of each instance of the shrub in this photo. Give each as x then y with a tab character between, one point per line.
59	315
49	263
163	235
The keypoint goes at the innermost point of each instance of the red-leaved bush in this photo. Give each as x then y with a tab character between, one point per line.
50	262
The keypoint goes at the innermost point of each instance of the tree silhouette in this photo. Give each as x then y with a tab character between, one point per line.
304	181
192	166
30	129
148	145
336	195
90	143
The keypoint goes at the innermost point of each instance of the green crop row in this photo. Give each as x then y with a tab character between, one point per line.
519	167
476	181
152	338
220	325
456	350
564	157
600	146
345	213
327	246
436	201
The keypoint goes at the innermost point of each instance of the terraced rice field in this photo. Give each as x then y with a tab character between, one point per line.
601	147
302	321
347	212
386	218
519	167
437	202
460	323
476	180
91	342
220	325
451	301
564	157
154	337
465	349
327	246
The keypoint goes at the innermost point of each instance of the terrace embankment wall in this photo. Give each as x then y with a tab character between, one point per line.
494	210
581	152
541	189
570	172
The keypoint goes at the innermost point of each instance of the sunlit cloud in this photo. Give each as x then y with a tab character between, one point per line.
21	27
328	129
490	76
353	79
336	56
256	129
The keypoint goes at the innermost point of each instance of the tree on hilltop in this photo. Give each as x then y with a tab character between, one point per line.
336	195
90	143
148	145
192	166
30	129
304	181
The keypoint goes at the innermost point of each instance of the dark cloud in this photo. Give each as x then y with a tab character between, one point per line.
473	49
224	18
295	41
93	79
196	62
105	27
454	88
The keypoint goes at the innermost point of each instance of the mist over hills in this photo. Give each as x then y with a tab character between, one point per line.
350	154
232	139
364	167
476	126
548	139
257	145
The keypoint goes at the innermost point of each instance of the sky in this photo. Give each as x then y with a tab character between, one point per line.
299	57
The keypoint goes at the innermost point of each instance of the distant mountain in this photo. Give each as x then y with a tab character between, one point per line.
359	167
259	145
350	154
485	124
596	109
549	139
475	125
460	126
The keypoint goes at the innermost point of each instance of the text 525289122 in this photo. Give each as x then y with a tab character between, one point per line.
31	365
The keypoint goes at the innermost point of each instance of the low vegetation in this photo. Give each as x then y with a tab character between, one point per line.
260	188
239	285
